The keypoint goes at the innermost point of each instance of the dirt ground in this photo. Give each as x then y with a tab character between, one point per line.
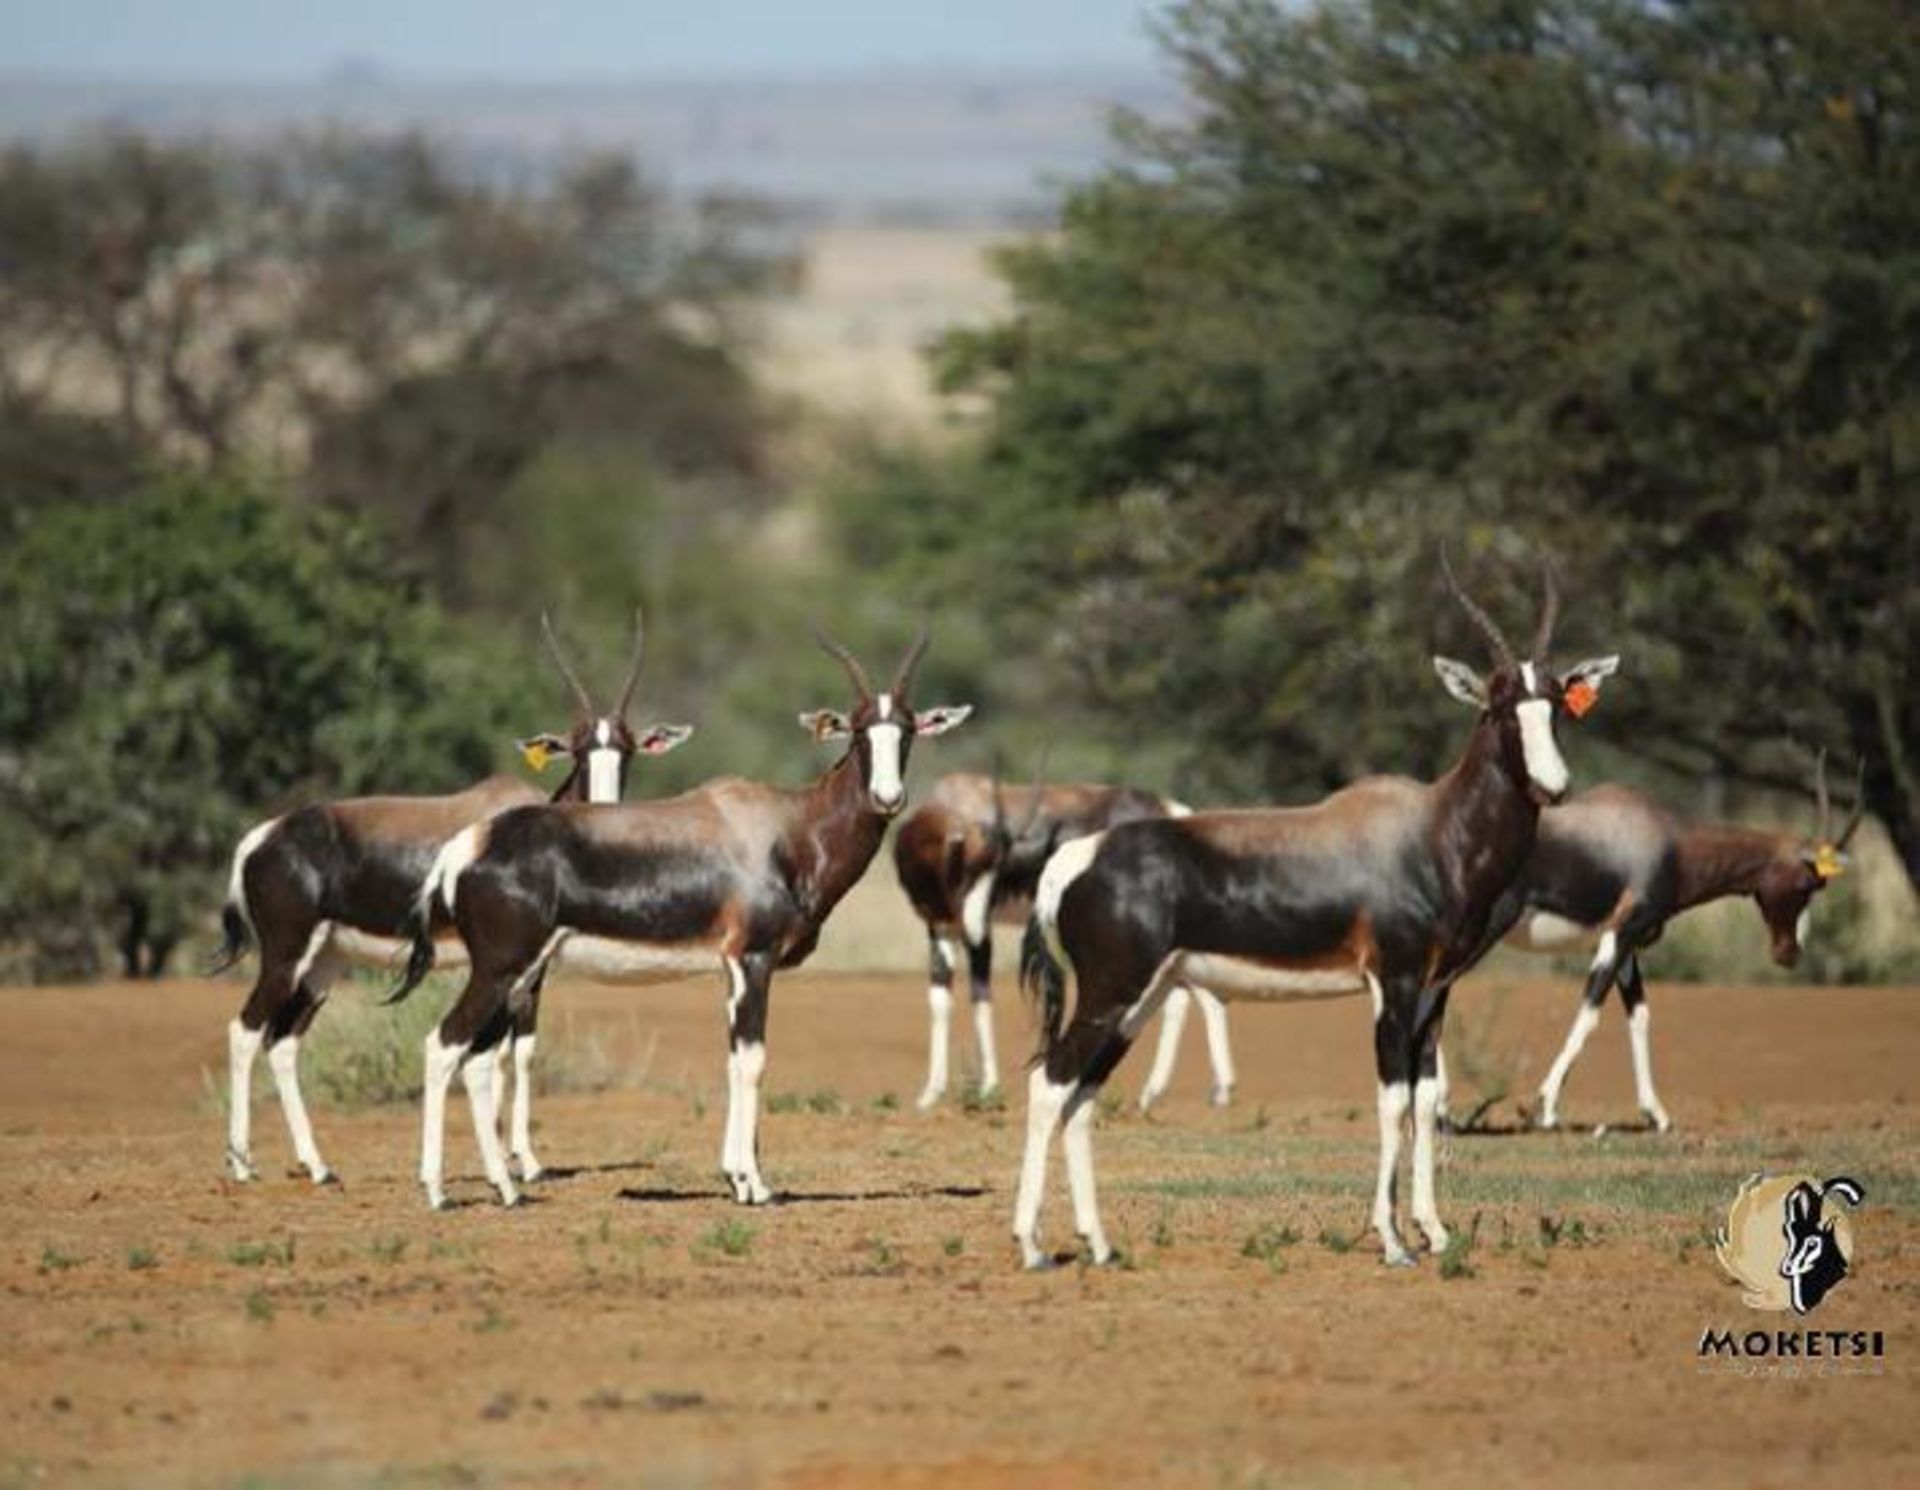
164	1326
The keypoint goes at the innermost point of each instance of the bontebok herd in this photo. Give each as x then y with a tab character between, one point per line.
1132	904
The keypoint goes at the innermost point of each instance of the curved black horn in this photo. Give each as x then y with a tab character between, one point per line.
1549	612
633	667
903	676
846	659
1859	806
573	678
1824	805
1480	618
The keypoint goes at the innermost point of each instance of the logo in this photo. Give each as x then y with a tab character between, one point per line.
1788	1240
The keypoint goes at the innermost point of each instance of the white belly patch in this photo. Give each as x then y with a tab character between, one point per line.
609	960
1241	978
1542	931
389	951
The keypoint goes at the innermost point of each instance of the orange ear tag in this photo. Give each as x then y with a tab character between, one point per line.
536	754
1827	862
1581	697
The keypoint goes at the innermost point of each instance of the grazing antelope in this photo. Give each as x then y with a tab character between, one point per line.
964	867
1386	885
335	883
1613	866
734	876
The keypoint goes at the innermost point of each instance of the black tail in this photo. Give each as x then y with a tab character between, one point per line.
420	958
1042	976
236	938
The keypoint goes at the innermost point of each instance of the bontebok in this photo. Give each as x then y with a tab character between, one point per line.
1386	886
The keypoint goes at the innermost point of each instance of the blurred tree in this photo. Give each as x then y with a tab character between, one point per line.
1635	283
177	662
374	313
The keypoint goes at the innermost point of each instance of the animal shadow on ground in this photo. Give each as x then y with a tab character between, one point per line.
785	1198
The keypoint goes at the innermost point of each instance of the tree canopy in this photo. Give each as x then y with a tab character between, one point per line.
1633	285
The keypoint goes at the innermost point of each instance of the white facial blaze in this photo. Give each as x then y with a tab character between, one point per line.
1544	765
603	765
883	740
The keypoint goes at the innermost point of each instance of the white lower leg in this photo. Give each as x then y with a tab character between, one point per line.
530	1167
479	1076
1583	1026
752	1061
1219	1047
1426	1213
1044	1101
940	1013
243	1045
983	1038
730	1164
1173	1020
1639	1024
502	1054
1393	1103
441	1063
1078	1143
283	1058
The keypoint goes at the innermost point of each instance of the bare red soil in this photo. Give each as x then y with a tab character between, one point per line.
162	1325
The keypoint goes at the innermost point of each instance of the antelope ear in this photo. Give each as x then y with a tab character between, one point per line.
1592	672
825	724
537	750
937	721
1461	681
658	739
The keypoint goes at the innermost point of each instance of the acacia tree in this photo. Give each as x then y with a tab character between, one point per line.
1635	284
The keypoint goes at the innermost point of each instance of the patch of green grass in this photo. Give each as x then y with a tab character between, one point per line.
886	1102
142	1259
1162	1234
1340	1242
1571	1232
53	1260
1268	1242
883	1257
261	1254
260	1306
953	1246
1456	1258
973	1101
825	1102
728	1238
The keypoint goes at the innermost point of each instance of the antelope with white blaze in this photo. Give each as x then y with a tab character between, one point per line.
735	876
965	866
1385	886
1613	866
336	883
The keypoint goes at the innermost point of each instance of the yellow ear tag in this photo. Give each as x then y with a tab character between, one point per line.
1827	862
536	754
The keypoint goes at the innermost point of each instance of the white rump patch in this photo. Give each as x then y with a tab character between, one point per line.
1071	860
451	862
1246	979
1544	765
610	960
1545	932
236	884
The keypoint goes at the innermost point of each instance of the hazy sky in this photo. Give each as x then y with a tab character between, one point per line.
280	39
